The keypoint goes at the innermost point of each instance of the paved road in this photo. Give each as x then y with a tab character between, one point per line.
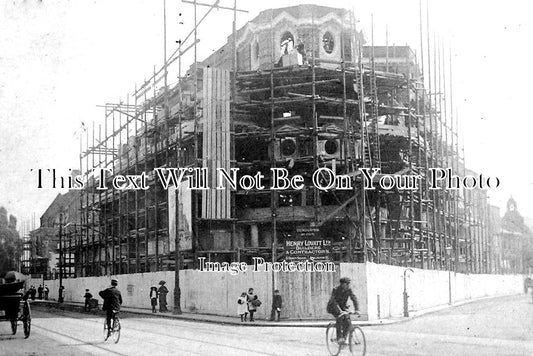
502	326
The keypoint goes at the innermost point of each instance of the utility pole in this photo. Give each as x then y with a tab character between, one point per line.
60	295
177	289
273	193
405	295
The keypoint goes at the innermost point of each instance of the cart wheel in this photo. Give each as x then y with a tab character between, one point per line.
14	326
26	321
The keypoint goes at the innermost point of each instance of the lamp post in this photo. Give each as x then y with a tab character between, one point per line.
405	296
448	252
177	290
60	295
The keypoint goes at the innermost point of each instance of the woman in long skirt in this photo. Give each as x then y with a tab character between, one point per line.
163	291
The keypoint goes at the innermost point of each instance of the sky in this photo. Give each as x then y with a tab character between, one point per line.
60	60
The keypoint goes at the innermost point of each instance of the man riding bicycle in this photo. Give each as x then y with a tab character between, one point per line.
112	301
337	306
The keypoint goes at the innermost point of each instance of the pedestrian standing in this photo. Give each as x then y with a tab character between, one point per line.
163	291
40	292
242	306
153	298
33	291
253	303
276	306
88	296
46	291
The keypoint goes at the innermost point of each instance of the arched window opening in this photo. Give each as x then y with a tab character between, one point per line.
287	43
256	50
328	42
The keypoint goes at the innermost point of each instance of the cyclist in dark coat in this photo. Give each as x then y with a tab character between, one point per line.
339	303
112	301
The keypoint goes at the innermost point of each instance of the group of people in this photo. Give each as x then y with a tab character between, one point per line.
249	302
159	295
113	300
41	292
337	306
156	295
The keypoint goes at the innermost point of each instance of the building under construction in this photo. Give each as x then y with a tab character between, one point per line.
298	88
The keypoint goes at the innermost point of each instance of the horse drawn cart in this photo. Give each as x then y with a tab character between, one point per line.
14	306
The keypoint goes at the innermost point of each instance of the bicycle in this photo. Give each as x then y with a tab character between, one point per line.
356	338
115	328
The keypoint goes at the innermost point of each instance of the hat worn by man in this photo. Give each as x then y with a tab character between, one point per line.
345	280
162	282
114	282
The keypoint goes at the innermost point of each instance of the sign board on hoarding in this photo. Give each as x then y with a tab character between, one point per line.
308	245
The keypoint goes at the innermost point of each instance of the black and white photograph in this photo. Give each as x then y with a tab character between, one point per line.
292	177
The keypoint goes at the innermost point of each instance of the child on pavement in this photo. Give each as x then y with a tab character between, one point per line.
87	297
153	298
242	306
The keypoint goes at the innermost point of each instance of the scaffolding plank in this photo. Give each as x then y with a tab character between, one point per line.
216	134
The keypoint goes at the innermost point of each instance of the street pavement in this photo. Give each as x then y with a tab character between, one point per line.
210	318
496	326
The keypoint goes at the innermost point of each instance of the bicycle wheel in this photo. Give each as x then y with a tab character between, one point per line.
105	330
331	340
357	341
116	330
